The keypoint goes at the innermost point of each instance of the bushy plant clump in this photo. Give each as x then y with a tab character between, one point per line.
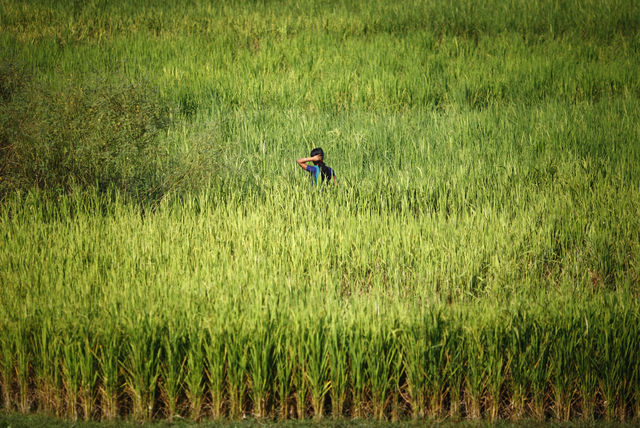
108	134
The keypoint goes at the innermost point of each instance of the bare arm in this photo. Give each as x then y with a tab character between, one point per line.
303	161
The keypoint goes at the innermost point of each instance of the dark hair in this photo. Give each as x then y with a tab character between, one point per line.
317	151
325	171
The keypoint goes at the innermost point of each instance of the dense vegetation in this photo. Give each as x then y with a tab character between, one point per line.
162	254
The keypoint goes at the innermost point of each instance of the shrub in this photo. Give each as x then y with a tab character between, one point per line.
102	133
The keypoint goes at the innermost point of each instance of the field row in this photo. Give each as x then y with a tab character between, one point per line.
575	362
337	58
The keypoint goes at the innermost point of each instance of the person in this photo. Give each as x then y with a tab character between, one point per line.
318	170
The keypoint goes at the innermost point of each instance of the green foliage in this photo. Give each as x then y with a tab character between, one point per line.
96	133
109	134
478	258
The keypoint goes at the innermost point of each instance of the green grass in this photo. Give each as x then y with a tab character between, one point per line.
479	257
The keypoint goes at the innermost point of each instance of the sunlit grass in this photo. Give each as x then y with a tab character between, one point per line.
479	257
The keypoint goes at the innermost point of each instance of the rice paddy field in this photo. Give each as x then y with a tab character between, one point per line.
162	255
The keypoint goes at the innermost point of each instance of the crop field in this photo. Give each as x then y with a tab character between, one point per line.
162	255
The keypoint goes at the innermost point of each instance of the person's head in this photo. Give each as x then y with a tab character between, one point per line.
315	152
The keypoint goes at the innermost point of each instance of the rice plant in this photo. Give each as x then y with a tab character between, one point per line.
163	256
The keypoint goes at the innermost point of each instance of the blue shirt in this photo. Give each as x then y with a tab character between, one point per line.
315	171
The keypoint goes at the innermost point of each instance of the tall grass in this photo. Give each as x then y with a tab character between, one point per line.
162	255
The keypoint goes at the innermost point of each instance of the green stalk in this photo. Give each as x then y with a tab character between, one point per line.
47	345
414	350
172	371
380	361
435	357
317	364
475	355
285	362
495	365
194	372
454	368
522	355
215	358
88	377
300	378
261	361
358	367
562	370
7	366
142	369
22	369
237	353
71	354
338	368
108	355
587	358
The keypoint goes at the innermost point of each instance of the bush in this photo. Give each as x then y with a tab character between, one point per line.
108	134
